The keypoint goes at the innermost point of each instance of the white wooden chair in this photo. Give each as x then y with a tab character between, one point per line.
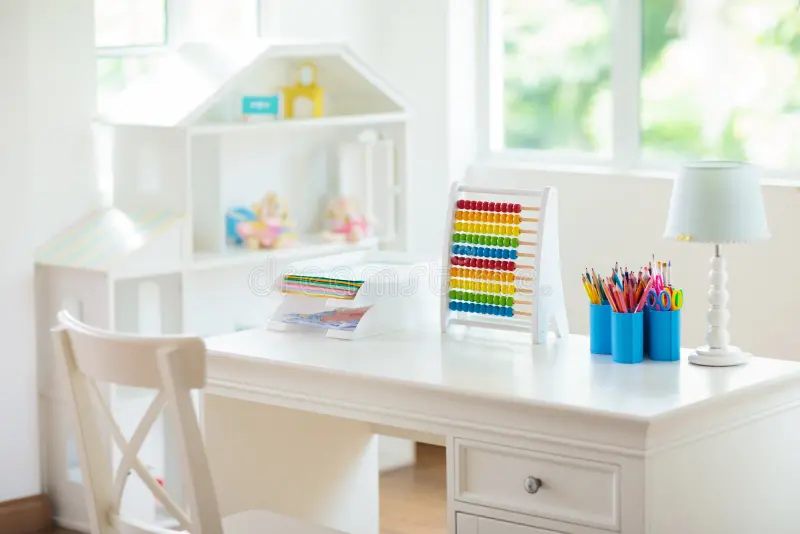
173	366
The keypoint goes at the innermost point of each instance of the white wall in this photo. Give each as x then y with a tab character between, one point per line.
45	101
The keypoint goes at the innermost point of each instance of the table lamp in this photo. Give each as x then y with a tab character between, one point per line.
720	203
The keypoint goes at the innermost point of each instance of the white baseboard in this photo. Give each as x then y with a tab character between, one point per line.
77	526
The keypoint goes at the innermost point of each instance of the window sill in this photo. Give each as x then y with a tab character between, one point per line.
787	179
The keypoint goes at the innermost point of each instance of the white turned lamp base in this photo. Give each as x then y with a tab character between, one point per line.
711	357
718	353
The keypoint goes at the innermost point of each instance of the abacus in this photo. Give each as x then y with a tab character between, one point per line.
501	259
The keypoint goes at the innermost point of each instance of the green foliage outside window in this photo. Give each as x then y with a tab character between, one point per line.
719	79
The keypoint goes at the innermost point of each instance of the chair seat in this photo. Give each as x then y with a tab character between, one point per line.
265	522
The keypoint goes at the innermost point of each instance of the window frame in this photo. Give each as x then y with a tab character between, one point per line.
625	158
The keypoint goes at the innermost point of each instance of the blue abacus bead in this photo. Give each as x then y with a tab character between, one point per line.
509	312
455	249
471	307
487	252
514	254
484	252
490	310
453	305
495	252
481	308
505	254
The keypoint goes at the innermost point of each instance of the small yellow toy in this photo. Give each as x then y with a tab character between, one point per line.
305	87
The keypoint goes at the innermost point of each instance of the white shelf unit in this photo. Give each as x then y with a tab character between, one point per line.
157	260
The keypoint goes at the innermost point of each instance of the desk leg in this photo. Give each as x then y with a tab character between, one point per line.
313	467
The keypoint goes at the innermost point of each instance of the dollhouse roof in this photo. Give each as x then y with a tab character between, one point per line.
108	239
197	76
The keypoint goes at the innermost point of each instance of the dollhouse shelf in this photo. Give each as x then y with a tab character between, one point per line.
341	120
234	257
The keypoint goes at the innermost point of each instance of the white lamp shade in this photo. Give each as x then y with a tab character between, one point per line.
717	202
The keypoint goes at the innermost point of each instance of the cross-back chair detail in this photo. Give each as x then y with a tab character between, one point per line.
172	366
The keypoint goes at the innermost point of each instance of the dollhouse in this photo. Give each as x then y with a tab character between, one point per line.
183	156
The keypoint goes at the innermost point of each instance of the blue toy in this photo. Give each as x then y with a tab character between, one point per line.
234	217
261	106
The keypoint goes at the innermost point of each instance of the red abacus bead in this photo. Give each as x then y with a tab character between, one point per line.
512	266
517	208
492	206
471	204
455	260
503	207
501	266
472	262
460	204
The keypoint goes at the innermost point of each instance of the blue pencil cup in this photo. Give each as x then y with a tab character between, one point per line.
600	328
664	335
627	331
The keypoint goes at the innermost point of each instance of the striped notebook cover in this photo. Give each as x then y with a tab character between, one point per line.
321	287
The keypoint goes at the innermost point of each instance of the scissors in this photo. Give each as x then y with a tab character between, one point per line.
668	299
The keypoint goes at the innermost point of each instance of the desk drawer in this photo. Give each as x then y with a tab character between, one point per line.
577	491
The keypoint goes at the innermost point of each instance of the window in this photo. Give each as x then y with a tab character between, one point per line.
131	35
643	83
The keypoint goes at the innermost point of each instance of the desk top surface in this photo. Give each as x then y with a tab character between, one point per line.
500	366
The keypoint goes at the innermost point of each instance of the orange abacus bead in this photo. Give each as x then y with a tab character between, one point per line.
517	218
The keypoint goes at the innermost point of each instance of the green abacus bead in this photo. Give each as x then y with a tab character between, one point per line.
453	294
493	241
470	238
509	301
457	238
514	242
495	300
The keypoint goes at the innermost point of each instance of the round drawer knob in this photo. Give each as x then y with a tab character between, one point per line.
532	484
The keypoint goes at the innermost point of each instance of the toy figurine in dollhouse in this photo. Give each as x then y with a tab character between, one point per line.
267	225
345	221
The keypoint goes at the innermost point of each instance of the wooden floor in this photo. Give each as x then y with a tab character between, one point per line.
414	499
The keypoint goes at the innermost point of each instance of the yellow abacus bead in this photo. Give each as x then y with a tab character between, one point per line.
496	288
512	289
515	230
482	287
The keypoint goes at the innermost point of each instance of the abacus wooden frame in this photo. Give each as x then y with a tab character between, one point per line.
546	268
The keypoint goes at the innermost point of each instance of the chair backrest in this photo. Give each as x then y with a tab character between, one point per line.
171	365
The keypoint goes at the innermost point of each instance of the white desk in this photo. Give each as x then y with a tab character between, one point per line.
656	448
